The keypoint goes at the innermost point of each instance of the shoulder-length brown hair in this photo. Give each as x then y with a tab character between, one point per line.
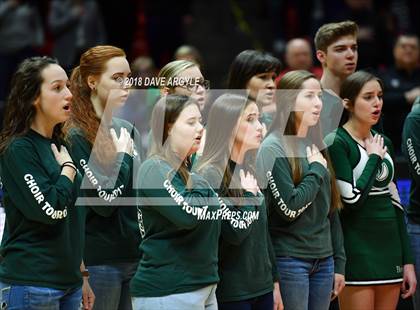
92	63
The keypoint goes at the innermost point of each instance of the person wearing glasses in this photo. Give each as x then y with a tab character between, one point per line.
183	77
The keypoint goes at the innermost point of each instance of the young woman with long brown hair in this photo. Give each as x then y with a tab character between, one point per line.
42	245
302	198
247	265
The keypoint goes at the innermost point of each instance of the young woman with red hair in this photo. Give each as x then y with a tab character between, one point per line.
103	149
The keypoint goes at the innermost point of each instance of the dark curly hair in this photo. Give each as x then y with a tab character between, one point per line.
25	89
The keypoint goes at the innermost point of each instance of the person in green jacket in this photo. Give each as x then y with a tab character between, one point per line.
178	216
42	245
411	150
104	151
302	198
379	260
247	264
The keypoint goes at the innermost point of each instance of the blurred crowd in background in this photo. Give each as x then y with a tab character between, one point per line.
211	33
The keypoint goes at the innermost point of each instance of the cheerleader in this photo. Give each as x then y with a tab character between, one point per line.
379	260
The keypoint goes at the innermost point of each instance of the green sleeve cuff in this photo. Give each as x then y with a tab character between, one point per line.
249	194
276	276
318	169
408	257
409	260
124	158
339	266
375	156
67	185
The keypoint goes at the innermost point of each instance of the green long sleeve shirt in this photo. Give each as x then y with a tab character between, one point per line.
180	250
112	230
411	151
247	264
300	222
44	233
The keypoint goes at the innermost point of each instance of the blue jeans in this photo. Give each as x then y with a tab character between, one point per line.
111	285
18	297
264	302
413	230
306	284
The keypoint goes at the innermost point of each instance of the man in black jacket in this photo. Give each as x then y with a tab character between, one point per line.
402	86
